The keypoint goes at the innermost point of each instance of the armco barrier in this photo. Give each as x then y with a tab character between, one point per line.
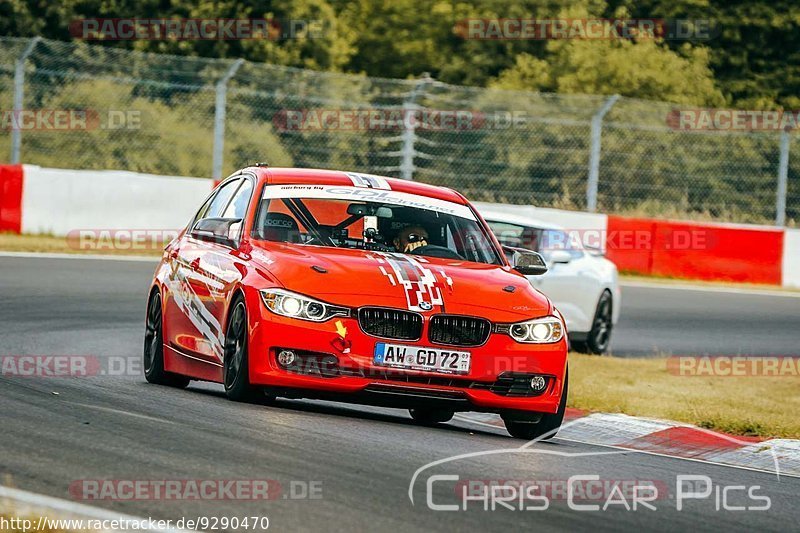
703	251
59	201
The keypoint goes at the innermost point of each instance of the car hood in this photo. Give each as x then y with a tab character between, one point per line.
356	277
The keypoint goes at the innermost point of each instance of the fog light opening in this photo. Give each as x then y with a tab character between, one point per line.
286	357
538	383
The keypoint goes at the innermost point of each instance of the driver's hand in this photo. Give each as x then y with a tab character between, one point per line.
410	247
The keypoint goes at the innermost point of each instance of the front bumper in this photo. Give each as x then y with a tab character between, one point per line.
495	382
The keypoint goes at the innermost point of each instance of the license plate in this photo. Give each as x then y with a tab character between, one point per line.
421	358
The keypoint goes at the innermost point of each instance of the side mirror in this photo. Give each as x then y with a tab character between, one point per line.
559	256
526	262
218	230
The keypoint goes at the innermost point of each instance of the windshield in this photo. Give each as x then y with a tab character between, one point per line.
369	219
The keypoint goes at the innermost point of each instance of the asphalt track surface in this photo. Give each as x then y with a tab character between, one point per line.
360	459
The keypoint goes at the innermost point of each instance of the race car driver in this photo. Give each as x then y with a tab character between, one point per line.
411	238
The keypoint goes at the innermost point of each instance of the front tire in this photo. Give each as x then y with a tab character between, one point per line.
153	357
598	339
235	367
547	426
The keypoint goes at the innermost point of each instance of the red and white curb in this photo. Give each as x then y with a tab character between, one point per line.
40	508
671	439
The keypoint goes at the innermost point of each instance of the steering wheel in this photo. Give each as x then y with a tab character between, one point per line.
432	250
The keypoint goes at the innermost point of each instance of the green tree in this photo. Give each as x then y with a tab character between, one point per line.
642	68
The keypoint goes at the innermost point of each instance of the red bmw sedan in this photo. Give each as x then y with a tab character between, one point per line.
352	287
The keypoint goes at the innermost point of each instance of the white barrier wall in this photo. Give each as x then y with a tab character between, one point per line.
791	258
58	201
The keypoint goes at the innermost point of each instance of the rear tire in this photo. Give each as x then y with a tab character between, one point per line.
598	339
547	426
235	367
431	417
153	357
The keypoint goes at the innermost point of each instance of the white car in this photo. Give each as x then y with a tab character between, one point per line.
582	283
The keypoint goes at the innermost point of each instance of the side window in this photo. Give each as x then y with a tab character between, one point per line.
202	211
238	206
221	199
217	201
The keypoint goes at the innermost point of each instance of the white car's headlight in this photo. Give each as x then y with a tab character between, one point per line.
545	330
293	305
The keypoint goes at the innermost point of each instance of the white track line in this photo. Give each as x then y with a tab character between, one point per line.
121	412
42	502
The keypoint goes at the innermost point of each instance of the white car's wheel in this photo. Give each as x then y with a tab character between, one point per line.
599	337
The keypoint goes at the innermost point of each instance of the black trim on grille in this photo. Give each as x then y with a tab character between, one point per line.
457	330
312	364
519	385
507	383
415	392
390	323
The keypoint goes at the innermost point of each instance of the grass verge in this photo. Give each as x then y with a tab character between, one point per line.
10	242
663	280
762	406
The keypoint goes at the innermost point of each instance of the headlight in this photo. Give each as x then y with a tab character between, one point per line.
291	304
539	331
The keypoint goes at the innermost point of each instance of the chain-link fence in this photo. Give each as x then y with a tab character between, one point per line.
206	117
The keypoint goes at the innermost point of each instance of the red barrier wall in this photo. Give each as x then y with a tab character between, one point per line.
696	250
11	198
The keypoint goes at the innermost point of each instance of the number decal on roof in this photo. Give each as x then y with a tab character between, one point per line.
369	181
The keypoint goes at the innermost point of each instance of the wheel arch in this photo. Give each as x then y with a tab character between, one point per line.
237	293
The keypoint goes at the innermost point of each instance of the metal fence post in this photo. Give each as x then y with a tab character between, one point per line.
19	93
219	118
594	153
409	128
783	176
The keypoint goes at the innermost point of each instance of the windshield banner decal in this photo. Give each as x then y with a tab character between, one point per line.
365	194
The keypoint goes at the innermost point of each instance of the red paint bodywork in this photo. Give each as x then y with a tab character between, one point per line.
216	273
11	182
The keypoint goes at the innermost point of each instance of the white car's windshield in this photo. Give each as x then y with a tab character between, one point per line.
389	221
544	241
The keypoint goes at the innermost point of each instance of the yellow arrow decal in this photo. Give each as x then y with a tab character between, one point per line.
340	329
